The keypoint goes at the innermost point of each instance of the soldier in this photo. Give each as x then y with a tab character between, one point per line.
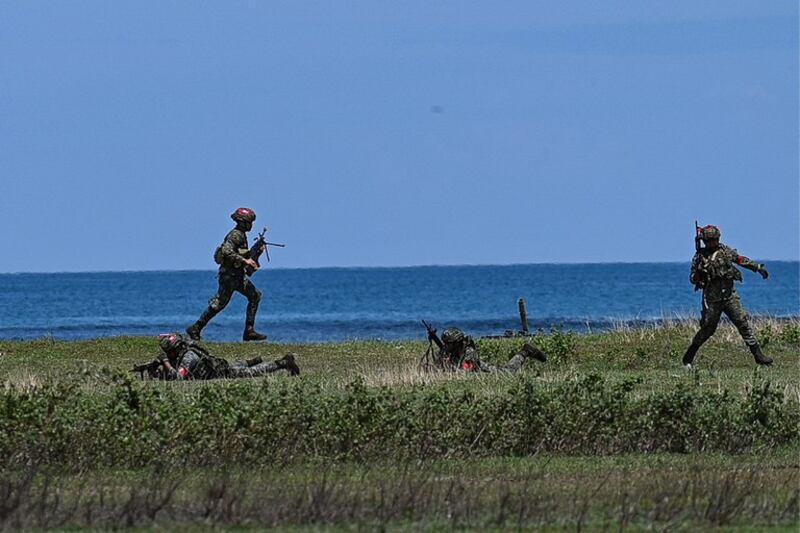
458	351
233	256
714	271
186	360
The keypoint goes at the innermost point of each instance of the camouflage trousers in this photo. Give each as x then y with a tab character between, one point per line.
239	369
474	364
215	368
513	365
228	284
712	312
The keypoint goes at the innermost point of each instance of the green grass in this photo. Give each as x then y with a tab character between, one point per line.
651	355
676	492
364	439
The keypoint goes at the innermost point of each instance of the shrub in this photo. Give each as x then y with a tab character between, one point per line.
259	422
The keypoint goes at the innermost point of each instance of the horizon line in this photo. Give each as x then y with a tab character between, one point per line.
377	267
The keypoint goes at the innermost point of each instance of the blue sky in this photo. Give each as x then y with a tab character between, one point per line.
395	133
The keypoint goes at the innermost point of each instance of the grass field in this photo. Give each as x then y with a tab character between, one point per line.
610	433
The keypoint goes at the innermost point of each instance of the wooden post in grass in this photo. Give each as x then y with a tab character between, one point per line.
523	315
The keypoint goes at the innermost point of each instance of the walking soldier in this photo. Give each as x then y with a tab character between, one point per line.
714	271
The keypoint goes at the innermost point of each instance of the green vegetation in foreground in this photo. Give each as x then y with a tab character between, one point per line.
363	439
751	492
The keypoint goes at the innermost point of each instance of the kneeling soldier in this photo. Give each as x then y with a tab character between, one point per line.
714	270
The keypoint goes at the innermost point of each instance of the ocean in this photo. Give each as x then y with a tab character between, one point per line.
338	304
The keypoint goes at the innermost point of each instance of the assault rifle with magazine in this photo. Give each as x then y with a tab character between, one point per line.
153	369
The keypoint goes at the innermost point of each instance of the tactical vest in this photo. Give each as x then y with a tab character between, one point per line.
719	267
211	367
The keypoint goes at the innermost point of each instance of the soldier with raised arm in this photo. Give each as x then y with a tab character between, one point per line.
714	270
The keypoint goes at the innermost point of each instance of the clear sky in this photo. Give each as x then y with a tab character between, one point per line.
395	133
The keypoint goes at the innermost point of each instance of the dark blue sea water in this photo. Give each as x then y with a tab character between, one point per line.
331	304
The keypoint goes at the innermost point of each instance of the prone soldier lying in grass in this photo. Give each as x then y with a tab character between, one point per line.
184	359
458	351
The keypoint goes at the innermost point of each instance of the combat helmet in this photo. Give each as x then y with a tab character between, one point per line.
453	335
710	232
244	214
170	342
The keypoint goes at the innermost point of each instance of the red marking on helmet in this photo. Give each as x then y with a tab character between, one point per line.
183	372
244	211
467	365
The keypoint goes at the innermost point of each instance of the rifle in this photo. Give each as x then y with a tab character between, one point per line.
153	369
261	245
701	272
698	235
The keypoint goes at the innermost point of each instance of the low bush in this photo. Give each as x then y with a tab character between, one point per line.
134	424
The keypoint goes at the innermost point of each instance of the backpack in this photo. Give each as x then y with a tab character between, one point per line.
218	257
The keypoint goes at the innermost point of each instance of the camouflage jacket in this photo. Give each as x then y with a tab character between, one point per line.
467	358
234	251
196	363
716	271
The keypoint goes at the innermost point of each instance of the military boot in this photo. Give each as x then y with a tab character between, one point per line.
289	364
529	350
688	357
194	331
250	334
759	356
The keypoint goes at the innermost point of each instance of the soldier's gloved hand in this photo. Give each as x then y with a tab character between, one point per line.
252	264
763	271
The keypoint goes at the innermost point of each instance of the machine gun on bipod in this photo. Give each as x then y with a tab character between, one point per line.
430	359
260	246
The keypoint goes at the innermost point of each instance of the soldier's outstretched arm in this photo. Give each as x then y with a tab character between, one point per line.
749	264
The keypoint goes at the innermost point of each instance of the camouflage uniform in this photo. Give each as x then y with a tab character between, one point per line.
459	352
232	276
194	364
191	361
715	272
